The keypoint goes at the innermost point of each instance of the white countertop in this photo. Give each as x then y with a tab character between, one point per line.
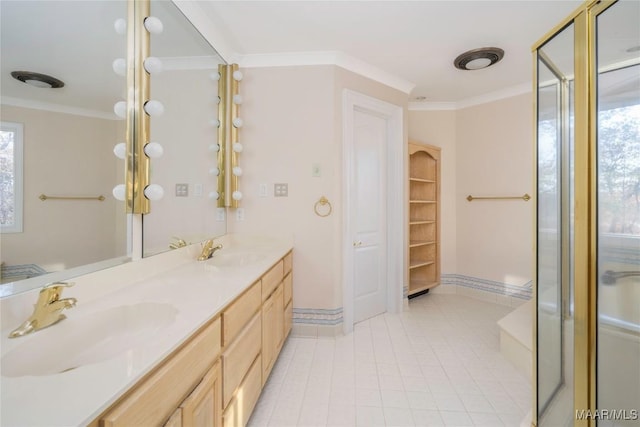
197	290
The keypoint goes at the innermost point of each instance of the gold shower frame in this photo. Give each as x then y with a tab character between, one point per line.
585	194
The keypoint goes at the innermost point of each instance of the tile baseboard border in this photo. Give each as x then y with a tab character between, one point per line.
318	322
487	290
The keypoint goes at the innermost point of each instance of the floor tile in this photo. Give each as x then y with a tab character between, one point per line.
436	363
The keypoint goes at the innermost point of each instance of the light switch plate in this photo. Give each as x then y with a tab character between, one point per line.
240	214
315	170
197	190
263	190
182	190
281	190
220	214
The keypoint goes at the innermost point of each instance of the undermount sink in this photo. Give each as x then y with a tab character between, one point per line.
234	259
86	340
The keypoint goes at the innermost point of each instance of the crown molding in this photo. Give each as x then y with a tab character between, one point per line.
336	58
57	108
473	101
182	63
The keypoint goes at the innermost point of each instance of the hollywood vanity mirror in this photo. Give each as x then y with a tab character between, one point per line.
58	143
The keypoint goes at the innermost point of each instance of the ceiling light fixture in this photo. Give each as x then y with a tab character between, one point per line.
478	59
37	79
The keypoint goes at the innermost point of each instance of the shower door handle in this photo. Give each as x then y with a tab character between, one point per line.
610	277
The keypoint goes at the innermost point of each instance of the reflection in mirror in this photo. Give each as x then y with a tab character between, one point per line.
185	131
68	136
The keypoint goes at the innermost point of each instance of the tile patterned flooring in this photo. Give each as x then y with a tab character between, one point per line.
437	363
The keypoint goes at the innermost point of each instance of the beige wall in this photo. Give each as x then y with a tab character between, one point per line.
66	155
293	119
487	151
494	158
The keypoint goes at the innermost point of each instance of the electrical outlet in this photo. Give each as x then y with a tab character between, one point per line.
182	190
197	190
281	190
220	214
315	170
239	214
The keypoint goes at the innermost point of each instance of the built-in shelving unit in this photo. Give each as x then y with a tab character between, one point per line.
424	218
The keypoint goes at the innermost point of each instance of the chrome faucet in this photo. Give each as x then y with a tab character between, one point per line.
179	243
48	310
208	250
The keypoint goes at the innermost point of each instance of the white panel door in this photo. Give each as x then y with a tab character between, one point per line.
369	215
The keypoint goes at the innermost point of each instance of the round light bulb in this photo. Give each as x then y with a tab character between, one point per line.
214	195
120	67
214	171
153	25
153	150
215	122
154	108
237	99
237	195
119	192
120	25
153	65
214	147
237	170
237	75
215	76
237	147
478	64
153	192
120	108
237	122
120	150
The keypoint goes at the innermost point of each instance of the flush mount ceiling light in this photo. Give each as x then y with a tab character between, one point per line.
477	59
37	79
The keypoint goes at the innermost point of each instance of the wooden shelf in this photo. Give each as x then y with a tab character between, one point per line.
419	221
416	243
417	264
424	218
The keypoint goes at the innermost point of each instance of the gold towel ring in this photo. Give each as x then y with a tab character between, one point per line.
322	202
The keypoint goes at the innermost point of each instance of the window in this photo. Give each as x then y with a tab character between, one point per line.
10	177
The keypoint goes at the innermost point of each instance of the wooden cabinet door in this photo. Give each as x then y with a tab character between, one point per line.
272	330
203	407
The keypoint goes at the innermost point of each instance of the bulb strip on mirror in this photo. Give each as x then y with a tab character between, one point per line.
233	177
138	123
223	124
228	131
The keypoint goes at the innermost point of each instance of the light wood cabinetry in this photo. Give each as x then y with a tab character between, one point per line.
216	378
155	398
424	218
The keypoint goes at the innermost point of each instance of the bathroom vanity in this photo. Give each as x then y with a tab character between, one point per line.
193	345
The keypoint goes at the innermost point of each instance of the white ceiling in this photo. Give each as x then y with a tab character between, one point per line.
416	41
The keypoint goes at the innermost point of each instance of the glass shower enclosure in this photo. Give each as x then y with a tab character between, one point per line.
587	329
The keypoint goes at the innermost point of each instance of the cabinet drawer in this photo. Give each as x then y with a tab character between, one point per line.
237	359
239	410
155	399
202	407
288	288
271	279
288	318
288	260
236	316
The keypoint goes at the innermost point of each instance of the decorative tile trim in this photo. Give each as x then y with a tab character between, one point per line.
21	270
523	292
317	316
